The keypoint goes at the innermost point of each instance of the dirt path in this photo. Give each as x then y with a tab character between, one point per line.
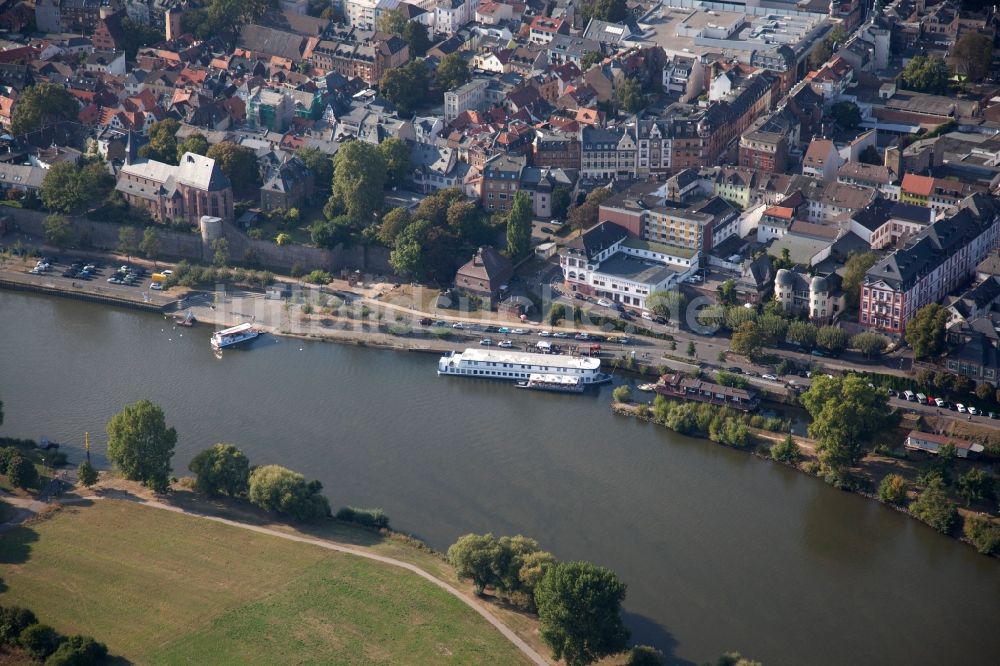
28	507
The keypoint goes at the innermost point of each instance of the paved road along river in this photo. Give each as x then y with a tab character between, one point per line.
721	551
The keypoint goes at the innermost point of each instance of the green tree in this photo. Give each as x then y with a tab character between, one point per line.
591	59
984	391
68	187
622	394
392	225
976	485
892	489
57	230
221	469
629	96
279	489
560	201
78	651
417	38
86	474
196	143
869	343
519	225
846	114
406	87
773	329
983	533
932	507
140	444
162	144
737	315
786	451
846	414
396	155
127	243
644	655
612	11
832	338
854	274
585	215
42	105
13	621
239	163
727	292
927	74
21	473
220	250
691	351
452	72
475	556
747	339
319	163
39	641
150	245
392	22
925	333
667	304
579	609
819	55
359	176
972	55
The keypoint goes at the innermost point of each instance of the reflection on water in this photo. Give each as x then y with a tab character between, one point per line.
721	551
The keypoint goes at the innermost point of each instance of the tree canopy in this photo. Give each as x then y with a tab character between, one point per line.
612	11
279	489
57	230
630	97
846	415
585	215
927	74
668	304
141	445
579	609
519	225
832	338
320	163
972	55
846	114
396	155
359	177
417	38
41	105
855	268
933	507
68	187
221	469
452	72
392	21
162	143
925	332
239	163
196	143
406	86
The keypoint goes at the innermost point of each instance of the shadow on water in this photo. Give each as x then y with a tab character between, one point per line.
646	631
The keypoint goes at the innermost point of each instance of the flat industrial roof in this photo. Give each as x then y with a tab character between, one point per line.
634	269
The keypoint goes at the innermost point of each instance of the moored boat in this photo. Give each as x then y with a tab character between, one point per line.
235	335
557	383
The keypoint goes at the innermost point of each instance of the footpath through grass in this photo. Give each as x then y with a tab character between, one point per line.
160	587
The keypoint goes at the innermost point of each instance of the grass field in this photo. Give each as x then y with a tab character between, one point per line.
159	587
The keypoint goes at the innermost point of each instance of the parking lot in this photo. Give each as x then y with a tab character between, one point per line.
118	280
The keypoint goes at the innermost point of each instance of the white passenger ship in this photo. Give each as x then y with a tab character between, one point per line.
233	336
516	365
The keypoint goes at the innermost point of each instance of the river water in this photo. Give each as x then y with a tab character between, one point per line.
721	551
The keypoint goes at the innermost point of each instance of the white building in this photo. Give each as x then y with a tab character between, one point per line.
468	97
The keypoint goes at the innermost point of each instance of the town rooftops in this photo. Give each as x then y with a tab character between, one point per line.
871	173
818	151
918	185
912	213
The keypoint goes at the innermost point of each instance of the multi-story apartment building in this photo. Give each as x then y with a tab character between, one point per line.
542	29
936	261
556	149
360	54
943	196
764	147
501	181
654	144
599	152
269	109
361	13
471	96
726	120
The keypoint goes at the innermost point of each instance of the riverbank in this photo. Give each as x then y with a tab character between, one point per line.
198	536
866	476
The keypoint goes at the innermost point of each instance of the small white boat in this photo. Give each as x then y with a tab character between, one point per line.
647	388
234	336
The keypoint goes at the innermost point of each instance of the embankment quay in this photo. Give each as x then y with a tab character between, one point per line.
96	290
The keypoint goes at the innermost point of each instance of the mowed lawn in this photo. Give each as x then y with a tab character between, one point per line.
160	587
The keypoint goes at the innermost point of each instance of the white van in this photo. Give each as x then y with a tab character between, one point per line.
647	316
909	396
921	398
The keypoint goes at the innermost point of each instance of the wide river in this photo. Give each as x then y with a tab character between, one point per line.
721	551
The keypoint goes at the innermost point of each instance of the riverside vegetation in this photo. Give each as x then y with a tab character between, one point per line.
848	421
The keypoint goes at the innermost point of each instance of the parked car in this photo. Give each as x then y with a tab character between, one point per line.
647	316
426	321
560	334
580	297
769	377
520	331
545	334
604	303
458	325
439	323
735	369
961	408
505	344
486	342
581	336
818	352
992	415
973	410
504	330
939	402
156	286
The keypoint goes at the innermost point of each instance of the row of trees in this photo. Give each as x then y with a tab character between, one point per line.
578	603
20	628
